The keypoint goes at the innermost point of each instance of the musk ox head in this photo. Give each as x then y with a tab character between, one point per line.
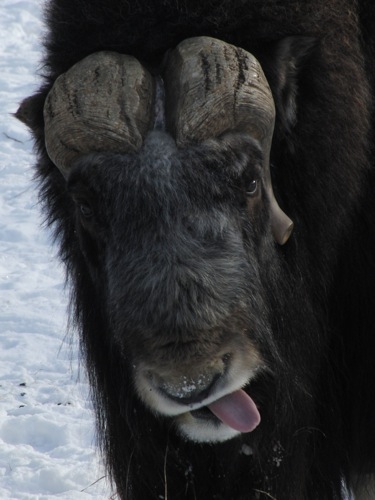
176	218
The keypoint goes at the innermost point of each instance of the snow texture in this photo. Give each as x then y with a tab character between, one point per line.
47	435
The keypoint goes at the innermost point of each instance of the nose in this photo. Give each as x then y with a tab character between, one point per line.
188	389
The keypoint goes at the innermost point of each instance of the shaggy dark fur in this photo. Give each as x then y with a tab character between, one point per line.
310	304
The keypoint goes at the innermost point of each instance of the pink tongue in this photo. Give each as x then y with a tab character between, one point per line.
237	410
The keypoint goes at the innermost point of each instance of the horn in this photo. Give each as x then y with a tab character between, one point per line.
213	87
102	103
281	225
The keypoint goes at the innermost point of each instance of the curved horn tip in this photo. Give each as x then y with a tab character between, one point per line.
283	232
281	225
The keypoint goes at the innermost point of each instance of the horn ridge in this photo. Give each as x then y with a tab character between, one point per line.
102	103
213	87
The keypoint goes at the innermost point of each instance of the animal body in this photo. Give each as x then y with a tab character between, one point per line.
218	238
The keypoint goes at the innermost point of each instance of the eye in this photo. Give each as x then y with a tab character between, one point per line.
252	188
85	210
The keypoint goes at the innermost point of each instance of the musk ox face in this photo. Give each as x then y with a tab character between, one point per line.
168	176
175	241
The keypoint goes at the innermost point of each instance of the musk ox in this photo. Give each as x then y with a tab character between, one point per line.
207	167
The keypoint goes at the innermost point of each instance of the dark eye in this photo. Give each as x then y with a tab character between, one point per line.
86	210
252	188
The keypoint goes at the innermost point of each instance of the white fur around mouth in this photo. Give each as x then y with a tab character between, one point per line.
204	430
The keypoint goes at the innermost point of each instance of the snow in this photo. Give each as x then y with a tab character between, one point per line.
47	435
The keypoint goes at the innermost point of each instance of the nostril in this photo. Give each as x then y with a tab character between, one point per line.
226	360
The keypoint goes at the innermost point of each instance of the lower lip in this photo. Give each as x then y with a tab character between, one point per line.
204	413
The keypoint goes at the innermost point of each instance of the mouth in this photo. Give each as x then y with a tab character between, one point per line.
214	412
205	414
236	410
223	419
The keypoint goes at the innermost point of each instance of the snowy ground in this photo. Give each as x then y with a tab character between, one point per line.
47	439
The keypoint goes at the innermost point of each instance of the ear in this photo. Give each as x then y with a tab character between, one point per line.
30	112
284	64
